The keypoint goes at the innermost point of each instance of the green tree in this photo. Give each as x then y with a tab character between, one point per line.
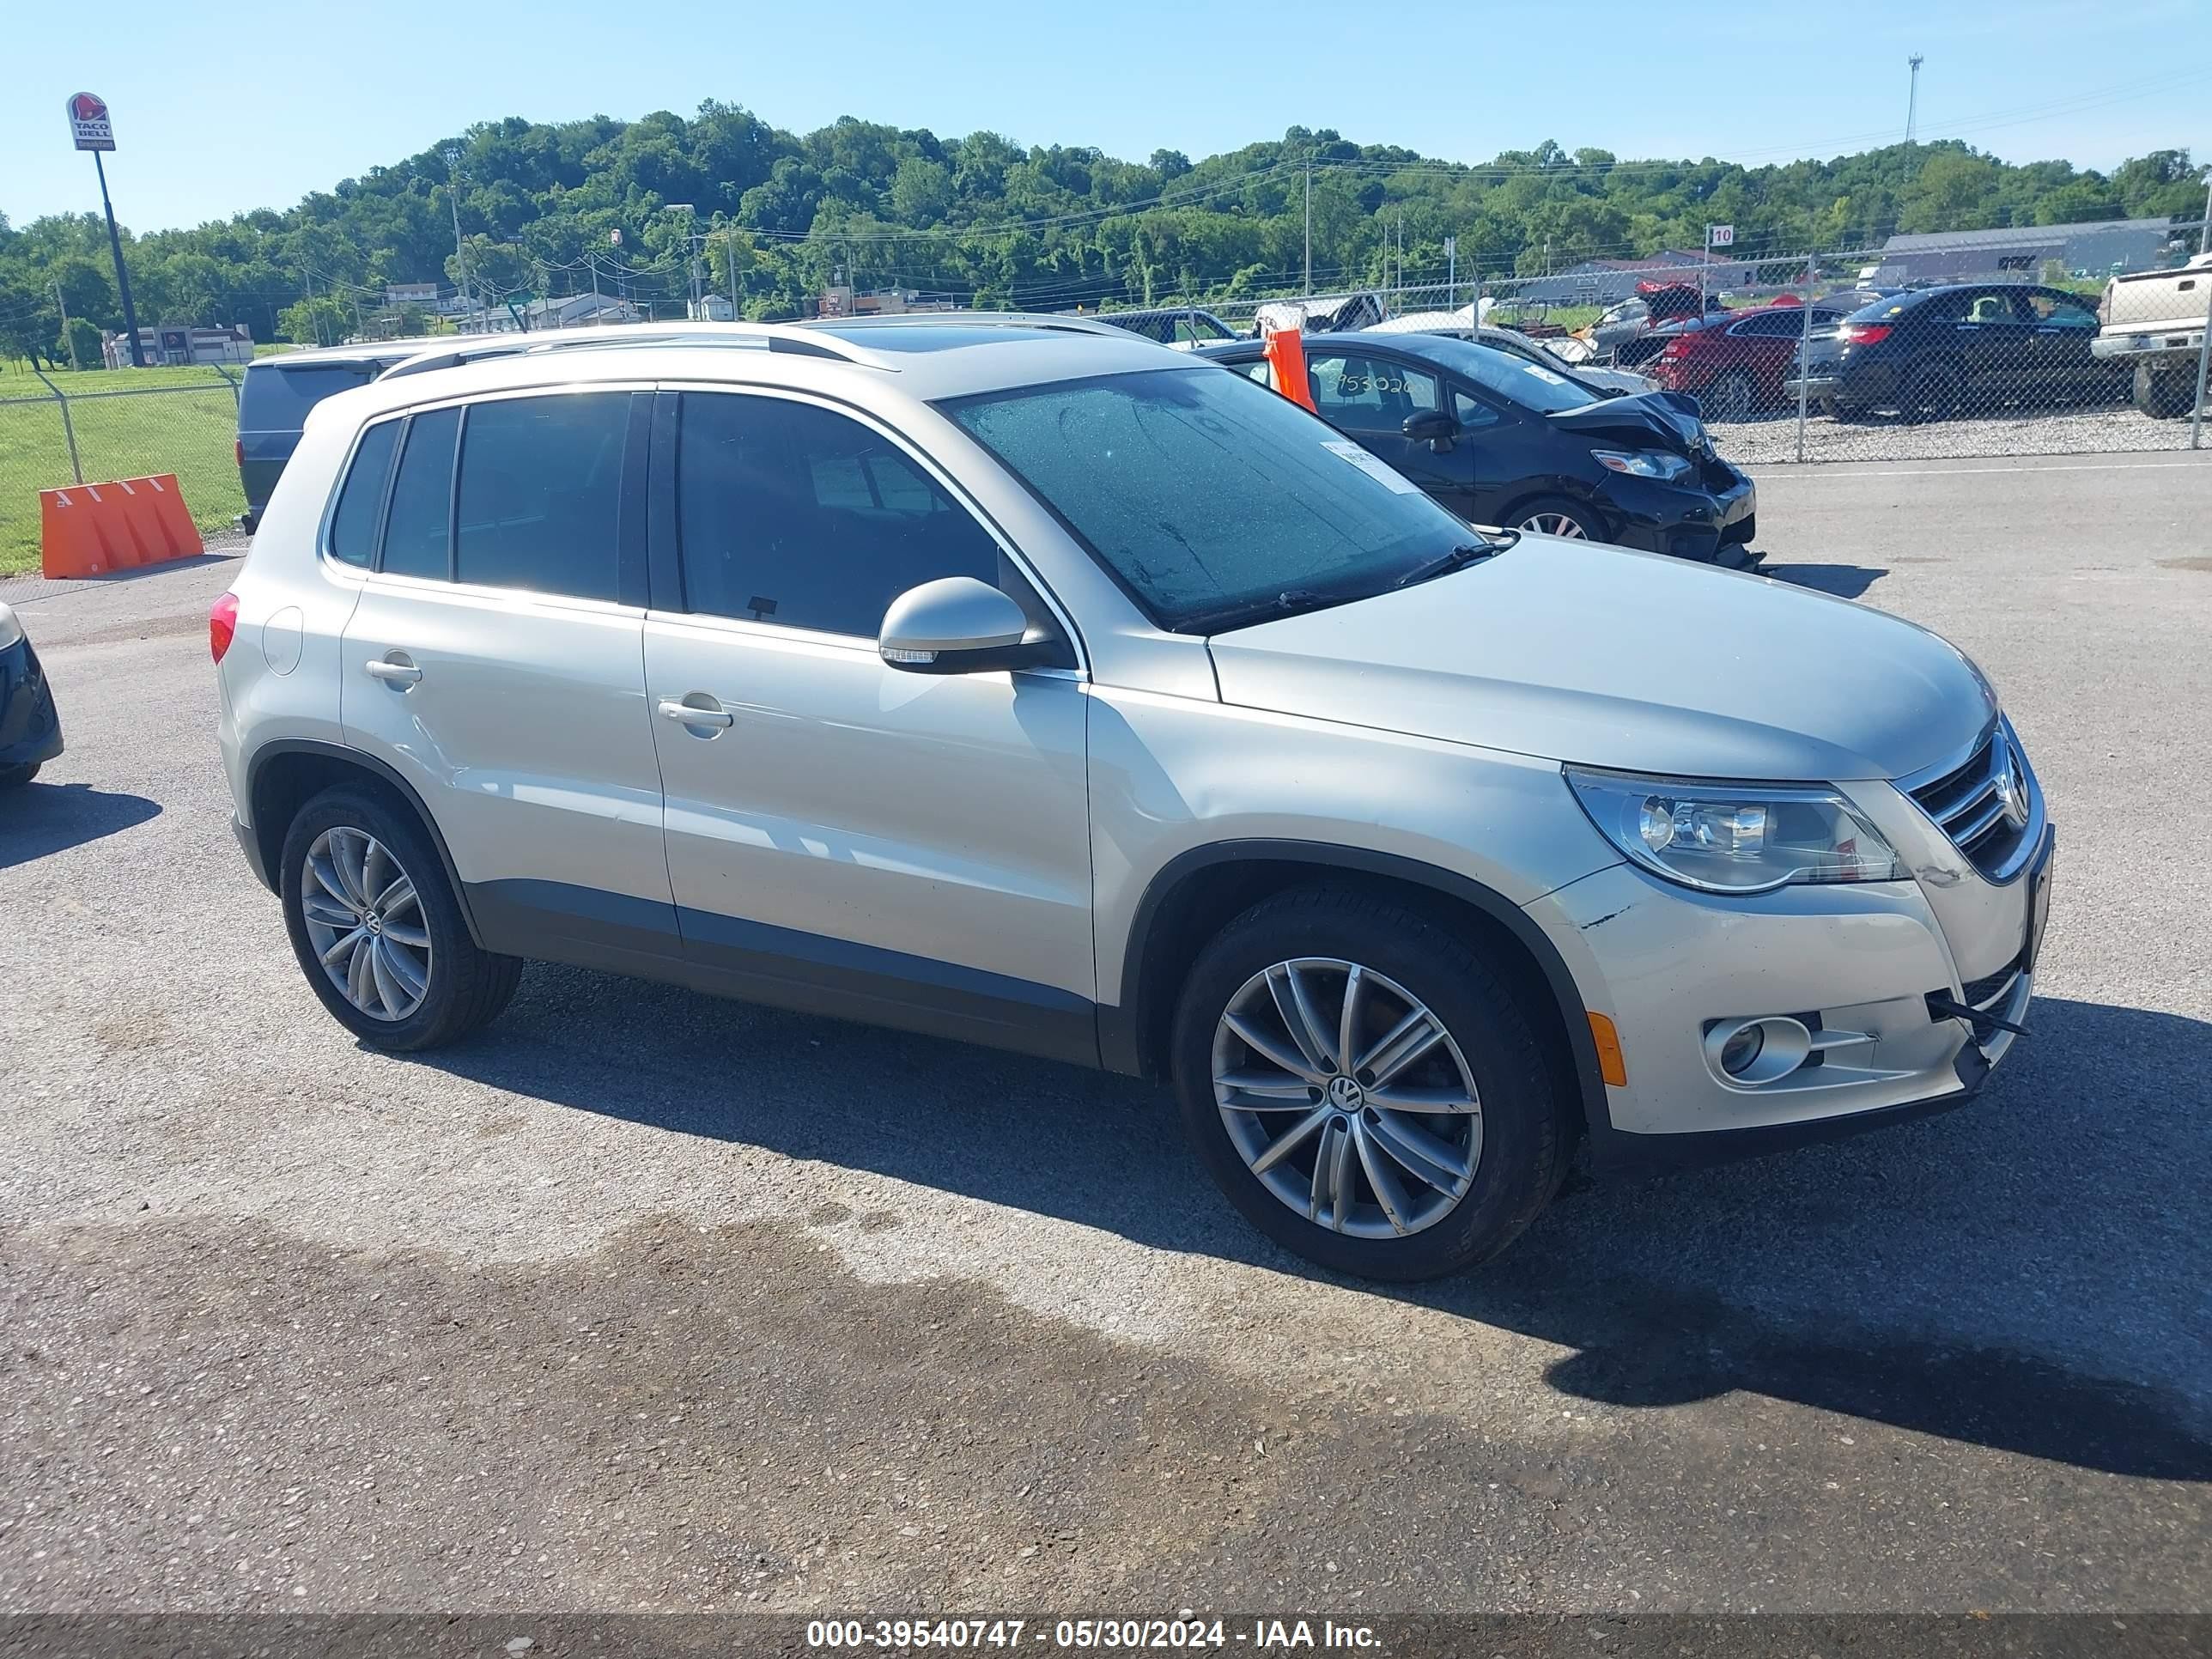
317	320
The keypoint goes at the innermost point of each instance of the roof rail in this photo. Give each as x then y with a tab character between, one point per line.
1066	321
748	336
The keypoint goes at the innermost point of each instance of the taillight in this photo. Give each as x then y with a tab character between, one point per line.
237	448
222	624
1862	334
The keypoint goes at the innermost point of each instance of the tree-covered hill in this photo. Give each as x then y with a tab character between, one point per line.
555	208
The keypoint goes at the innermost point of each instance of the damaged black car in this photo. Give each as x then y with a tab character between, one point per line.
1502	441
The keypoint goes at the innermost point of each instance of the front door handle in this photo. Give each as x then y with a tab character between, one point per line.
692	714
394	670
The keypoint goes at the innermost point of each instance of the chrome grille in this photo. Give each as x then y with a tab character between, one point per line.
1989	806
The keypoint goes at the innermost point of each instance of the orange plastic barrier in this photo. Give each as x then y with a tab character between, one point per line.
90	530
1286	355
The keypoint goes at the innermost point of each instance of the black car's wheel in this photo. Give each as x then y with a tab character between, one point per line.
1932	393
1555	515
377	929
15	777
2163	395
1363	1088
1733	397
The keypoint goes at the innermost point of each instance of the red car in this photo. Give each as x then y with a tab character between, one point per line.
1735	363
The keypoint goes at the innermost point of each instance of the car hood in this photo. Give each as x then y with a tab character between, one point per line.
1600	656
1669	419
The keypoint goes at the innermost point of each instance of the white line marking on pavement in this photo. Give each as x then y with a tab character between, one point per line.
1835	469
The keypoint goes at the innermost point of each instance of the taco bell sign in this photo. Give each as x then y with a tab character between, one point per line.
88	123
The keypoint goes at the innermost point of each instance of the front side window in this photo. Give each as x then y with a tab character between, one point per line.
2057	310
541	493
1212	501
1370	394
787	512
419	522
353	525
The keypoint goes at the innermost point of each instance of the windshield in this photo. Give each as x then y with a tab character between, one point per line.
1544	388
1213	502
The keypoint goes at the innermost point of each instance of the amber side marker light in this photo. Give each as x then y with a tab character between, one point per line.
1610	1065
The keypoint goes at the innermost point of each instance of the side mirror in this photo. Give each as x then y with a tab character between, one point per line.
957	625
1431	427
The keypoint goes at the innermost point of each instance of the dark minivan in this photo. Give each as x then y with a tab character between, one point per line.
279	391
1502	441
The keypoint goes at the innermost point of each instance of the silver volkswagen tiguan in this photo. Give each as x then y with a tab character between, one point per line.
1024	682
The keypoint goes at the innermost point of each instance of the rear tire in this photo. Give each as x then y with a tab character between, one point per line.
445	985
2163	395
1933	394
1506	1156
15	777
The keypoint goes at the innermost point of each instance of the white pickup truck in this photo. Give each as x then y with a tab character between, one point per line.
2155	320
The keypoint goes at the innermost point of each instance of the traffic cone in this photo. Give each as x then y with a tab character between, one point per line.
1286	357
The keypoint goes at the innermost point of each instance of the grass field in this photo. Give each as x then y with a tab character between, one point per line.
184	425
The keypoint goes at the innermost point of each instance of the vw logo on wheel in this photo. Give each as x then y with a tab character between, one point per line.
1345	1094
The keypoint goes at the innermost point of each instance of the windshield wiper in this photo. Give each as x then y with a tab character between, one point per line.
1458	558
1290	601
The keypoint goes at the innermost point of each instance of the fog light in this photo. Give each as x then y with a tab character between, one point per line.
1751	1053
1740	1050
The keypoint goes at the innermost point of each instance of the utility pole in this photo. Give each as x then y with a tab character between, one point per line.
734	312
69	339
2204	230
460	248
1912	99
1309	226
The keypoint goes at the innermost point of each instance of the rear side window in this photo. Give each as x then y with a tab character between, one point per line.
541	493
276	399
790	514
353	526
420	519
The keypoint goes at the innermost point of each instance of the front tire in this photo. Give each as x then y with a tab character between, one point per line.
1555	515
377	929
1413	1133
15	777
1733	397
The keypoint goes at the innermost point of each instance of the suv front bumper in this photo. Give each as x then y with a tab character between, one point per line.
1856	963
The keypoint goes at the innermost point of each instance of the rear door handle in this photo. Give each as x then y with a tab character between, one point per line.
394	671
690	714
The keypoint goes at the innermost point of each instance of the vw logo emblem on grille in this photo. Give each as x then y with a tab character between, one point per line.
2012	793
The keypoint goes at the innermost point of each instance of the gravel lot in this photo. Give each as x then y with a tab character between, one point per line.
2067	430
643	1301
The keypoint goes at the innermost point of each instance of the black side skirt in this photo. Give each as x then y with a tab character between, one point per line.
783	968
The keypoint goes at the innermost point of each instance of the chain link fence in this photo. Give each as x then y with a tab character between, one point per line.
63	428
2045	340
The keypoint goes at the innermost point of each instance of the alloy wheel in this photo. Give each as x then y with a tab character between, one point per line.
364	920
1555	524
1347	1097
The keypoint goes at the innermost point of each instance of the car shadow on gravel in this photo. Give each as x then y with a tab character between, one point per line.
2023	1274
38	818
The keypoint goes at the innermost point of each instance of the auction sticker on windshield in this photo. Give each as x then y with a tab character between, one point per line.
1373	468
1543	375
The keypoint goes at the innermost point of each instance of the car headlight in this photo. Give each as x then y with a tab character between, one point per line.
1643	463
10	629
1728	838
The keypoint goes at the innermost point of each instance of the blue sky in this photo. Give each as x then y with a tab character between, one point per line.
2026	79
